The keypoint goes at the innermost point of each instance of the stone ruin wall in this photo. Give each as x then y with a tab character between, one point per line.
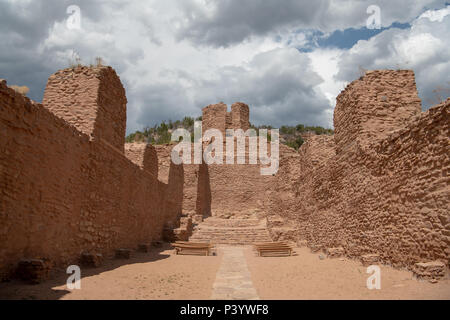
215	116
226	190
237	190
374	105
379	185
91	99
65	190
208	189
387	193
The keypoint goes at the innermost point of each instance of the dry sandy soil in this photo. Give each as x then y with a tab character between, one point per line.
154	275
305	276
163	275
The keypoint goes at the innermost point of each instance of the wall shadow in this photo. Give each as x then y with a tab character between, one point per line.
16	289
203	203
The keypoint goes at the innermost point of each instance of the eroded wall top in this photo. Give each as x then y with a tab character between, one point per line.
215	116
369	108
91	99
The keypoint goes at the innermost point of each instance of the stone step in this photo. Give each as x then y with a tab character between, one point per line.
217	222
231	231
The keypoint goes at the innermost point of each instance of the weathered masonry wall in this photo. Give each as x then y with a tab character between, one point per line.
386	193
371	107
91	99
63	191
236	190
215	116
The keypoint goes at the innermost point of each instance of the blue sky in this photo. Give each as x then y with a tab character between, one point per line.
287	59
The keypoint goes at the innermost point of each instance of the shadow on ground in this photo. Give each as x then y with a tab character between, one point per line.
16	289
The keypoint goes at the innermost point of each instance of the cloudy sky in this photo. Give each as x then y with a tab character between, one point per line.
287	59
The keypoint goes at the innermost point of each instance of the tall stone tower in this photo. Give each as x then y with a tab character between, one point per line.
91	99
215	116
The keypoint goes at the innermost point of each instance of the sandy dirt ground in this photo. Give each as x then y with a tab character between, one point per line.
162	275
155	275
305	276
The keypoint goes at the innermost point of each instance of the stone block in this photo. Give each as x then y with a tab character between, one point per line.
369	259
429	270
335	252
32	270
302	243
92	260
143	247
198	218
123	254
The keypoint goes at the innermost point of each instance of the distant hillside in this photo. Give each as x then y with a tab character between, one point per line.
292	136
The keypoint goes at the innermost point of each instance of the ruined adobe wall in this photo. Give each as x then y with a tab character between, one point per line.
292	199
236	190
63	192
143	155
215	116
196	184
369	108
195	196
386	194
96	98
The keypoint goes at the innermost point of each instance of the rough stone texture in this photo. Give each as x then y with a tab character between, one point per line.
215	116
386	193
240	114
93	260
243	183
32	270
429	270
193	182
123	254
182	233
369	259
68	184
335	252
231	231
63	193
374	105
143	155
91	99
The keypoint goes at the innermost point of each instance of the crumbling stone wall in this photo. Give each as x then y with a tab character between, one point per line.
385	194
215	116
236	190
369	108
91	99
143	155
239	116
62	192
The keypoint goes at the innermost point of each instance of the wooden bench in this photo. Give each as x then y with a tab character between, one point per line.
193	248
273	249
